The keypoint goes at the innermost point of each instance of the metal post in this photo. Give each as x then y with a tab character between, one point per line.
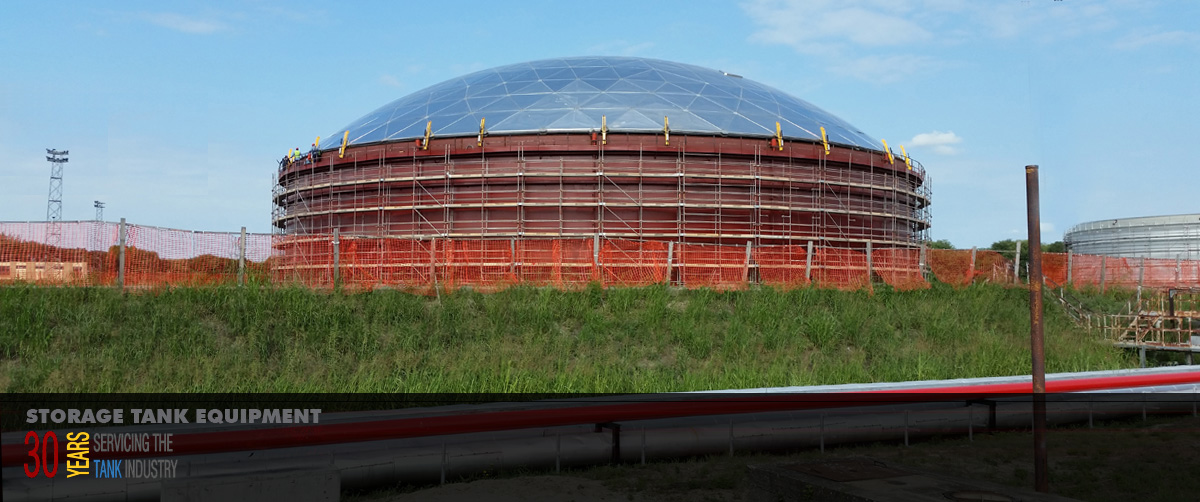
670	258
242	259
870	265
808	263
121	257
746	265
337	246
1017	265
1177	271
1033	208
1141	274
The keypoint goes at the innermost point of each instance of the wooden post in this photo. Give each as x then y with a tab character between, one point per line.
337	245
971	271
1017	265
1103	271
808	263
1070	259
121	256
242	259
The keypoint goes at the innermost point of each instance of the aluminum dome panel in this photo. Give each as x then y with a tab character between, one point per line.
571	94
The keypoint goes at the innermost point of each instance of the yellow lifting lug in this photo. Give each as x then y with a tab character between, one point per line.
778	137
825	140
342	150
666	131
907	161
428	133
604	129
888	150
482	131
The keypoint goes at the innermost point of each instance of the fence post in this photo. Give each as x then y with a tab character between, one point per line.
670	258
242	259
1141	273
921	259
1017	265
1103	271
746	265
121	256
808	263
512	255
870	263
337	247
1178	272
1070	257
971	271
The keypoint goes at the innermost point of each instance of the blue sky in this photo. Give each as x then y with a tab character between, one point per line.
175	113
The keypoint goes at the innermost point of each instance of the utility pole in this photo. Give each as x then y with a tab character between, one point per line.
54	202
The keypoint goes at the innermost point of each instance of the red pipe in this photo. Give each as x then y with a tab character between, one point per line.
323	434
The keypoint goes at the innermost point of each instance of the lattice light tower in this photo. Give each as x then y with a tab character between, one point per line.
54	204
99	210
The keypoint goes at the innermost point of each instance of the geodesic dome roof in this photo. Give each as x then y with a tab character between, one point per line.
572	94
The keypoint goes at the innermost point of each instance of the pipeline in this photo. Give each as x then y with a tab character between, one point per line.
445	447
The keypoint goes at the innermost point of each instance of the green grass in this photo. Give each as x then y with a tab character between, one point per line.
524	339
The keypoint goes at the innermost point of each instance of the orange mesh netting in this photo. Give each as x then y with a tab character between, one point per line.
1085	270
840	269
991	266
632	263
80	258
899	268
781	266
713	266
87	253
1054	268
562	263
485	265
305	260
951	266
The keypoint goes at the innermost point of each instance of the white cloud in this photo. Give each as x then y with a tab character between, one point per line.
1145	38
886	69
390	81
940	141
816	26
185	24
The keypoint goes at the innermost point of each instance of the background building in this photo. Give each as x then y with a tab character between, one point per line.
1164	237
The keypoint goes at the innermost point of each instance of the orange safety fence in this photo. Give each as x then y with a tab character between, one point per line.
88	253
627	263
1104	272
785	267
713	266
840	269
953	266
900	268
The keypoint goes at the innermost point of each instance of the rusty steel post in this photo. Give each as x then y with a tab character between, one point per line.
1040	462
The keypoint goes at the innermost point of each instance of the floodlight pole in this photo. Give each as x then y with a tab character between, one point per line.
1040	462
54	200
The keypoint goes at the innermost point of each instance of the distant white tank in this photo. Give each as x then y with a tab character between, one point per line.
1173	237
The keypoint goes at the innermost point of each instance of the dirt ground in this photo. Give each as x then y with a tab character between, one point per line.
1115	461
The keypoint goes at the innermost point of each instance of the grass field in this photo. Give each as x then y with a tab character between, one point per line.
520	340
